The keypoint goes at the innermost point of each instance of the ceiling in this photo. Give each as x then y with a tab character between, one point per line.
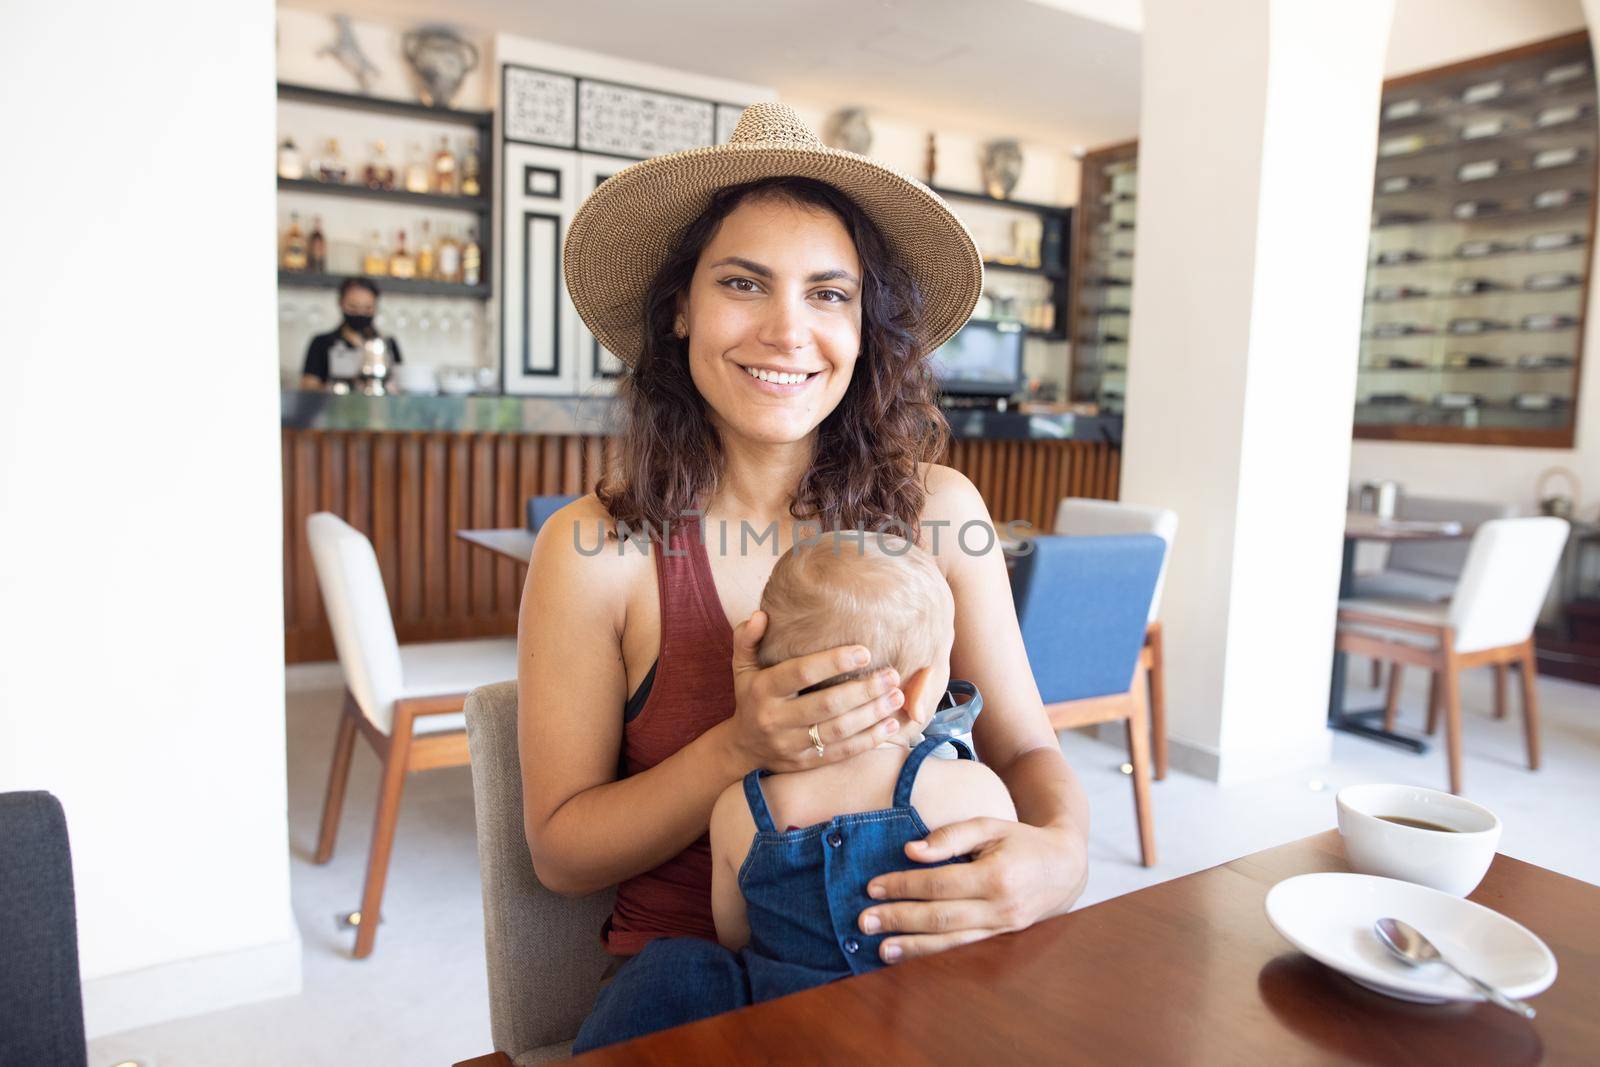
1016	68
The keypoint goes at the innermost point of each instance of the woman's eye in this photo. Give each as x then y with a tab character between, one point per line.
737	285
834	295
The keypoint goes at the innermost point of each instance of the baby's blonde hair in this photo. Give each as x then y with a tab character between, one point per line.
854	587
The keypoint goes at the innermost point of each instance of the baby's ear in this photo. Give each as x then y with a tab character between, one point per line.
918	709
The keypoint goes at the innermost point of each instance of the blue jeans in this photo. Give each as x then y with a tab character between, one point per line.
674	980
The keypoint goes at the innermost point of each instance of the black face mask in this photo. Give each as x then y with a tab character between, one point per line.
358	323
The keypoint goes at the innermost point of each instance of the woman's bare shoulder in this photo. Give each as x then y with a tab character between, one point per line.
577	559
951	496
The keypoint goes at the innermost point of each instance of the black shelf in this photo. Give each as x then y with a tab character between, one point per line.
985	198
1053	273
1512	215
1435	335
1370	369
299	279
1428	298
476	205
1509	254
305	94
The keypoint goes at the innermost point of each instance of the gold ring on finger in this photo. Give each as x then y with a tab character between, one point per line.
816	739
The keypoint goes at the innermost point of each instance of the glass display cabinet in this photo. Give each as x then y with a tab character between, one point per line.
1478	269
1102	275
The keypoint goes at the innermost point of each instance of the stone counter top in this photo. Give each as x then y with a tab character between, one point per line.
594	415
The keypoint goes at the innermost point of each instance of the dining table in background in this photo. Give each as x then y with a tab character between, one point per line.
1184	972
513	543
1365	526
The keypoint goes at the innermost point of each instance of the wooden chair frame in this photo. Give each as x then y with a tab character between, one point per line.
1444	687
1152	658
401	751
1130	708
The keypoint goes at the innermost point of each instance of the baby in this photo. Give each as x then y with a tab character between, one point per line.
792	853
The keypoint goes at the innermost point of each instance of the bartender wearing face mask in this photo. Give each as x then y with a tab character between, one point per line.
336	356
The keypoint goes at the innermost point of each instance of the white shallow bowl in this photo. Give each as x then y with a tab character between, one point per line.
1452	862
1329	917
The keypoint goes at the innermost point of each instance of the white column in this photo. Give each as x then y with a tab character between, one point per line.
1256	148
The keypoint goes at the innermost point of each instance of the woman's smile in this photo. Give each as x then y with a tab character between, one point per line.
774	382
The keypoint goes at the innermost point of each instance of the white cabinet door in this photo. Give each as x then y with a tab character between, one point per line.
598	368
539	350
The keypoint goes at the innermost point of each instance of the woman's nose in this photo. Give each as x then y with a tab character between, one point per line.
784	326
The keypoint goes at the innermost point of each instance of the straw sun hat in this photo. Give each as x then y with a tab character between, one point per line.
623	232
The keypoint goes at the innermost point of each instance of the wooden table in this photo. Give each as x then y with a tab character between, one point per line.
513	543
1185	972
1364	526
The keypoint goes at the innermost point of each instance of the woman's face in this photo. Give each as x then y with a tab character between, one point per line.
776	291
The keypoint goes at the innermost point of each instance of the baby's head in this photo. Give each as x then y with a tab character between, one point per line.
874	590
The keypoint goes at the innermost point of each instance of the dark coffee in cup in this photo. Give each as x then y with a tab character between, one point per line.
1418	824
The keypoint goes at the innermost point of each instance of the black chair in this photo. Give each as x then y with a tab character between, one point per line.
41	1000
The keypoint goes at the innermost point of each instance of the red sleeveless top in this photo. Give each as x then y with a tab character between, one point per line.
691	690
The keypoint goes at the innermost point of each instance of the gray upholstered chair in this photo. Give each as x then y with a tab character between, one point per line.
544	953
1429	570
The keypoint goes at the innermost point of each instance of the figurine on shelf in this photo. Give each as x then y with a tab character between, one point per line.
439	59
1002	166
347	53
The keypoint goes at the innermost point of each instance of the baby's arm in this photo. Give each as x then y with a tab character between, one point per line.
732	830
949	791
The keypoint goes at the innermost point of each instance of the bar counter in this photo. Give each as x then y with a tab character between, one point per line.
411	471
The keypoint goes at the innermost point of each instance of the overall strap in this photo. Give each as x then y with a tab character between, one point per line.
757	800
913	763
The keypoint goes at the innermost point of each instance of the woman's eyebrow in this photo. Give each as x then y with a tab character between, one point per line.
762	272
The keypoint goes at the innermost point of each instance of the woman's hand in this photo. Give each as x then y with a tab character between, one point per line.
1019	874
771	722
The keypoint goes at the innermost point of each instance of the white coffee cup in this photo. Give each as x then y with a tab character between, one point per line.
1453	862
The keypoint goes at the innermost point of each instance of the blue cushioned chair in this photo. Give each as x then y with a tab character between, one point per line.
1083	603
540	508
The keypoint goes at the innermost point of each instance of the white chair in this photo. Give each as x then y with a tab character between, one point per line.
1489	621
407	702
1082	517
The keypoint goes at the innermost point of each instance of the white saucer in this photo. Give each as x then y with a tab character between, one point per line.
1329	917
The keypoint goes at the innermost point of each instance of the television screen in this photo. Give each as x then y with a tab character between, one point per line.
984	358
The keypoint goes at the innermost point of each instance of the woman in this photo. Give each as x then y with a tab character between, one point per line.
776	301
336	356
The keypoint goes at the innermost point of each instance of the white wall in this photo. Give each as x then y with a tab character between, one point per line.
1255	181
141	568
1431	33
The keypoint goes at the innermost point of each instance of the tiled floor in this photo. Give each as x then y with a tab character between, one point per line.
421	998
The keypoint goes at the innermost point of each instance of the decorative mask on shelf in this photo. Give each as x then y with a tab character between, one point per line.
440	58
848	129
347	53
1002	166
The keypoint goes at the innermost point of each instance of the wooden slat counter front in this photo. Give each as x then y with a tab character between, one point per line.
409	472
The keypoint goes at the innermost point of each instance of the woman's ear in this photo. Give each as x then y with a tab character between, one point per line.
918	709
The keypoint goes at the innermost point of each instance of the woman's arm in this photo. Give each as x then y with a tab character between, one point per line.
586	828
1024	871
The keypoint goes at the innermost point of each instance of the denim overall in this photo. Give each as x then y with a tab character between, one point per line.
805	889
804	897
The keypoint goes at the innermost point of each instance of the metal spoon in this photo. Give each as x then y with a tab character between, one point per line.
1407	943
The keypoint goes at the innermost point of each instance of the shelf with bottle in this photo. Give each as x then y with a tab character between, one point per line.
1562	101
1543	284
450	265
449	178
1537	322
1484	214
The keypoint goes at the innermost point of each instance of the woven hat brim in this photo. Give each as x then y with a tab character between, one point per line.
624	231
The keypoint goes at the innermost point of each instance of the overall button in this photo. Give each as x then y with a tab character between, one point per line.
835	840
851	945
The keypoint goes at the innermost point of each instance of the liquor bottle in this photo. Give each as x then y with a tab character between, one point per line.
331	167
317	248
444	170
375	262
401	265
379	172
470	183
294	246
416	170
449	258
289	163
425	258
471	260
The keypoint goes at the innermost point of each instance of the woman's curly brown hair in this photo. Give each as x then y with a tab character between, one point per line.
864	475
